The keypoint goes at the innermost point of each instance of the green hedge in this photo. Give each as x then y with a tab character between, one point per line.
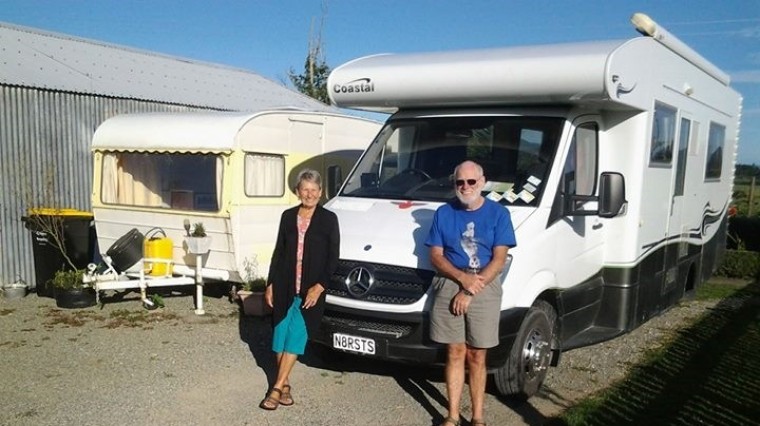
744	232
740	264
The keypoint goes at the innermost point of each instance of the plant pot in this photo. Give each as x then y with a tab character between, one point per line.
198	245
74	298
254	304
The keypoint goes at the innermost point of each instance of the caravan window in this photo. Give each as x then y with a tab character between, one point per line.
715	142
264	175
663	134
414	159
164	180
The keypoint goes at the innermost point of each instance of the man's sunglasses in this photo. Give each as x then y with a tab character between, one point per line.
470	182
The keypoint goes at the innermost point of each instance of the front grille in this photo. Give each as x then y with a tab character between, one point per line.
394	285
395	330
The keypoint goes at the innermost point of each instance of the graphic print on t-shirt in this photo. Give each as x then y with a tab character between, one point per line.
470	245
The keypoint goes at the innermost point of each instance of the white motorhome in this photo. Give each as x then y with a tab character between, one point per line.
615	159
232	172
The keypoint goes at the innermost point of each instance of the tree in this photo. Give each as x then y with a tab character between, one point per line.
313	82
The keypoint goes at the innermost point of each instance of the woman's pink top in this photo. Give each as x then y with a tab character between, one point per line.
303	225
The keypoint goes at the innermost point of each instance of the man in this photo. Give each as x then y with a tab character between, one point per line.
468	241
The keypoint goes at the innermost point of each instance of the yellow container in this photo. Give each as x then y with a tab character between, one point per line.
158	247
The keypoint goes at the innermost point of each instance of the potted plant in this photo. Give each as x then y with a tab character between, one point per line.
59	242
251	291
197	240
71	292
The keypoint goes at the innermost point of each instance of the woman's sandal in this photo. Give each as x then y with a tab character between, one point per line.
285	398
270	402
475	422
449	421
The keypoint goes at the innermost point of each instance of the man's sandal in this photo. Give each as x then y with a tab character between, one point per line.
449	421
285	398
270	402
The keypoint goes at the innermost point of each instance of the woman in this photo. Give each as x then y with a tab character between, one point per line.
305	257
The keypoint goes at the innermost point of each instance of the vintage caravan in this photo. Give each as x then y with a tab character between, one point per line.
232	172
615	159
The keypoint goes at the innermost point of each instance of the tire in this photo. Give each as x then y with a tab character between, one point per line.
530	356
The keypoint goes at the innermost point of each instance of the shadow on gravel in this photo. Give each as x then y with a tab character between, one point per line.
709	374
256	332
416	380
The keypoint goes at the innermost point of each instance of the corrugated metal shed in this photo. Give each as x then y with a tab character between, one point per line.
55	90
44	60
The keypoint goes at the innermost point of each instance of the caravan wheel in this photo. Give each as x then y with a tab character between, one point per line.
531	354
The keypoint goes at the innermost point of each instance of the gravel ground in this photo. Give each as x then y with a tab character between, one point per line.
122	365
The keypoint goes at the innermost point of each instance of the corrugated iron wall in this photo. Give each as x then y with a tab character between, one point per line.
45	159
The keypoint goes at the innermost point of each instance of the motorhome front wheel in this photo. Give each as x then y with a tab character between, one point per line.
531	354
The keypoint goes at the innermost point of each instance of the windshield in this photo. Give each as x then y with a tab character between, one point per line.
414	159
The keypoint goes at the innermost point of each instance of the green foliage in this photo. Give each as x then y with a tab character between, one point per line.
253	282
257	284
715	290
313	81
747	170
739	264
157	300
744	233
198	230
743	190
68	279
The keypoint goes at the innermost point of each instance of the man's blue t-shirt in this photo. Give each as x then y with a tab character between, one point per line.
467	237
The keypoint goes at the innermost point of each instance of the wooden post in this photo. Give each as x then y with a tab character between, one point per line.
751	197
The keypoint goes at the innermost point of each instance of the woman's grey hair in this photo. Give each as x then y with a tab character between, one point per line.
309	175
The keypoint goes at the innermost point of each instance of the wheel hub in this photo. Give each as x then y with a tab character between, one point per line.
537	354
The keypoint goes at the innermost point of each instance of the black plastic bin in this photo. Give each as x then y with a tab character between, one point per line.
78	239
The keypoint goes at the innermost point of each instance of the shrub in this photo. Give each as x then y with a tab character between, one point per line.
744	231
68	279
740	264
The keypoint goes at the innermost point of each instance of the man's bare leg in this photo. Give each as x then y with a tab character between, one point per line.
476	364
455	376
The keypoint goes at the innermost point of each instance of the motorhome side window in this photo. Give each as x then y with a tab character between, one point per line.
168	180
415	159
715	141
663	134
264	175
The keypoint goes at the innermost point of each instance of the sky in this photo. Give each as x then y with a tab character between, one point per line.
270	37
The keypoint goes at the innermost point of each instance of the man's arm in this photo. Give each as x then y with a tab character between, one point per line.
473	283
496	265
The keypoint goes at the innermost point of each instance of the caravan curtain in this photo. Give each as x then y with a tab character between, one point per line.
264	175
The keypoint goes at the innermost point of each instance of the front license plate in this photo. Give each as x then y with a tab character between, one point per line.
354	343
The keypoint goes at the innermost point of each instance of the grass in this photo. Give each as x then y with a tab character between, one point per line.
708	374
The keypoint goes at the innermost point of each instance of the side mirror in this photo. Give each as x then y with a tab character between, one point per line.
334	181
610	202
611	194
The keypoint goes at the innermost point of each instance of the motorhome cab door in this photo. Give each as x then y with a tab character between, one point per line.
578	238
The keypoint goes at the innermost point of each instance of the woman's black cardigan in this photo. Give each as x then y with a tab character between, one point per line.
321	249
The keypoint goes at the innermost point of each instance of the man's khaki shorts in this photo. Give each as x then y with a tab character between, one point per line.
479	327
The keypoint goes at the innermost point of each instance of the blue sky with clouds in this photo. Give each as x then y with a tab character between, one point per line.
271	36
